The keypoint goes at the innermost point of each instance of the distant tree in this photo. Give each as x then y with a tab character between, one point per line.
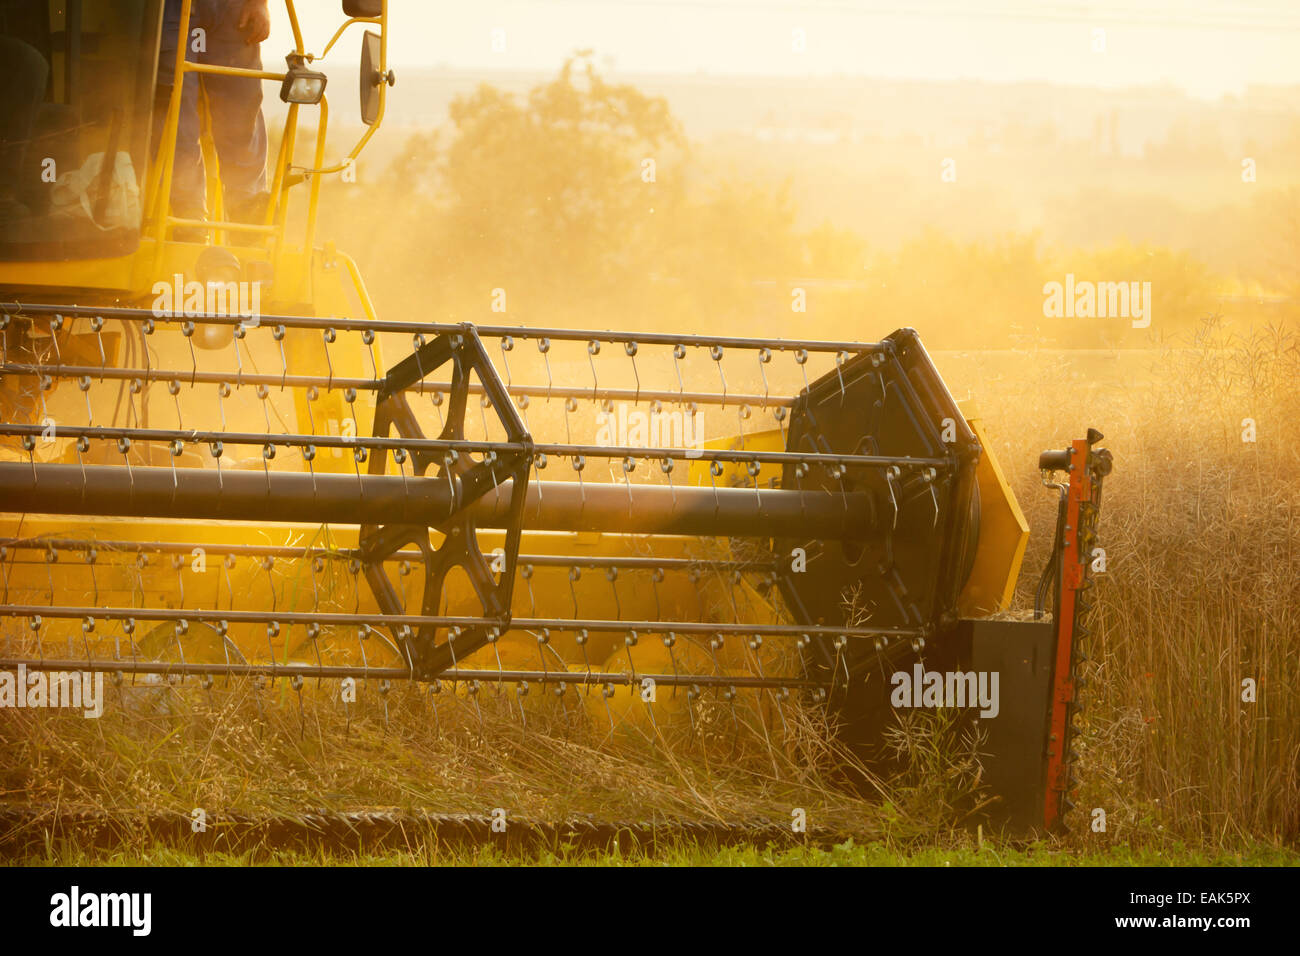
834	253
559	195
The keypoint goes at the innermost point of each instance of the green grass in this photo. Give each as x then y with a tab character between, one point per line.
844	854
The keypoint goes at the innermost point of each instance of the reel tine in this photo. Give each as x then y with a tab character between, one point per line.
91	556
296	683
607	691
631	348
272	632
729	695
507	344
363	633
544	347
629	642
692	695
679	353
656	578
649	702
561	691
582	637
483	403
313	635
34	623
354	568
473	689
523	403
743	412
128	628
226	565
268	563
141	561
780	695
715	352
97	326
56	325
368	338
51	556
629	465
317	566
492	639
593	349
311	394
570	405
801	359
611	575
521	691
539	462
435	690
181	628
543	639
258	683
221	629
669	640
84	384
526	572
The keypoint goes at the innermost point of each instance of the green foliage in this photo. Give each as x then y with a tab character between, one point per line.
547	197
550	197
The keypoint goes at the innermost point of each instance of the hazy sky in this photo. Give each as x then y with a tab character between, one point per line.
1206	47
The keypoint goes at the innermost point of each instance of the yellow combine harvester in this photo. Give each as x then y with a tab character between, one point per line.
209	469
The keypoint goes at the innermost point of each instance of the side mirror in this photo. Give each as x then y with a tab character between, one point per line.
363	8
371	77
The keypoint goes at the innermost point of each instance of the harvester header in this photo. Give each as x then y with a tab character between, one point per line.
209	471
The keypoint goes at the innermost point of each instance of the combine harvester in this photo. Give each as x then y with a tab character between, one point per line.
198	490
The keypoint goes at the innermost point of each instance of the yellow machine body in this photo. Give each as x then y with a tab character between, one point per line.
299	277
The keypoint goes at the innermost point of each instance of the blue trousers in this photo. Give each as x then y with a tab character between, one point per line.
234	103
23	72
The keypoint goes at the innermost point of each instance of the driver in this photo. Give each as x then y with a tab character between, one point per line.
231	35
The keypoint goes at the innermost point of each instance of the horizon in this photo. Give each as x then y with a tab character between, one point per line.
1210	51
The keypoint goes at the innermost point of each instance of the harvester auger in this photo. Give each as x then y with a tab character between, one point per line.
200	491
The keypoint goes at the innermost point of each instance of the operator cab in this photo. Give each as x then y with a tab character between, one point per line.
79	82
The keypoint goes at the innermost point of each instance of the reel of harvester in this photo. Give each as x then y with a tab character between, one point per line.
289	523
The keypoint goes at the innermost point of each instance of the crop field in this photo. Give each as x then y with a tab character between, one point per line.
1200	531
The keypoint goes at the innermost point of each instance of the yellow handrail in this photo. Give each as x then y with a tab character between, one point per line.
314	198
162	184
159	186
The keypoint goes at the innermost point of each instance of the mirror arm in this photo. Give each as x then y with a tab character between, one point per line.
296	175
341	30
